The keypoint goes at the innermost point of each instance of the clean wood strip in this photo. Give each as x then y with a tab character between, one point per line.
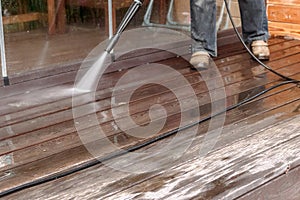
292	70
67	77
290	93
223	71
150	101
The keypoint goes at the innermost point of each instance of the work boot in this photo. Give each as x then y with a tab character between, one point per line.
200	60
260	49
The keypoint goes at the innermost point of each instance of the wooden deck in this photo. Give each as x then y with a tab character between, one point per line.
48	52
256	155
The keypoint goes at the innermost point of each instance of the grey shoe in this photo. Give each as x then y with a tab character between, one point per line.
260	49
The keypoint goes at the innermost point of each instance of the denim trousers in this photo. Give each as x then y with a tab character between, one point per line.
203	23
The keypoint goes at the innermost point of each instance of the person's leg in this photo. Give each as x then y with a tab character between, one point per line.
255	27
254	20
203	26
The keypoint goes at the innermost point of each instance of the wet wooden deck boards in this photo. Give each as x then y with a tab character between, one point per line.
38	134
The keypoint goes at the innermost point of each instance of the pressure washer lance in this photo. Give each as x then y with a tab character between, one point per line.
134	7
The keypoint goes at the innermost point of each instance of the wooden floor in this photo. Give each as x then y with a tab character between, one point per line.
256	155
36	50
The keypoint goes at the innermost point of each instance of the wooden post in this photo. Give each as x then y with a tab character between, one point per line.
162	11
22	10
61	16
51	17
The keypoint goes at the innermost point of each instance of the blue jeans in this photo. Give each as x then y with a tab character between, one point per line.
203	23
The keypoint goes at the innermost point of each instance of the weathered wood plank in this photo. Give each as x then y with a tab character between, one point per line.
101	181
286	186
228	172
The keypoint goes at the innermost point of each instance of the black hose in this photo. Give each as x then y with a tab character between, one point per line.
160	137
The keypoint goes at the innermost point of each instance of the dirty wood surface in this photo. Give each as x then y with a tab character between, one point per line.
39	138
227	172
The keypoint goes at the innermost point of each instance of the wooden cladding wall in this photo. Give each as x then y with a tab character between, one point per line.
284	17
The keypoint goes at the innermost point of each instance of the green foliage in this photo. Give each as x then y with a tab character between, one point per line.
15	7
11	6
37	5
